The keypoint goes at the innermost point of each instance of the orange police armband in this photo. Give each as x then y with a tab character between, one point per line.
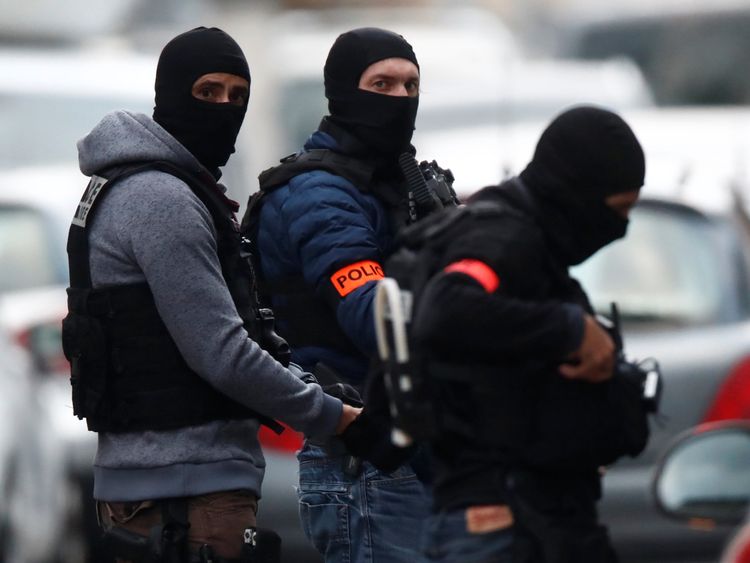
349	278
478	271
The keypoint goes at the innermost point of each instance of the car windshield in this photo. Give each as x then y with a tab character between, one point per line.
25	251
667	269
39	129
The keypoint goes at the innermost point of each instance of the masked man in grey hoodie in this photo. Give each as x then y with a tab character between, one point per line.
161	332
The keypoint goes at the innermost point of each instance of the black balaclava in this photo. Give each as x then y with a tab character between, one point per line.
208	130
585	155
385	124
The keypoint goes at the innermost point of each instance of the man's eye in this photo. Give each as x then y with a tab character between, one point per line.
206	92
238	97
380	84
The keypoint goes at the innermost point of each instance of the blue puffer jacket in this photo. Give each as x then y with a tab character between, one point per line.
313	226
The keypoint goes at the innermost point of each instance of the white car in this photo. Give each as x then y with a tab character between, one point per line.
48	100
34	501
32	305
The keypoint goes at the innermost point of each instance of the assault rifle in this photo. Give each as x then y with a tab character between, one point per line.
430	187
646	373
263	324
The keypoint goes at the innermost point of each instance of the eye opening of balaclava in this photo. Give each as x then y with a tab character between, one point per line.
585	155
208	130
384	123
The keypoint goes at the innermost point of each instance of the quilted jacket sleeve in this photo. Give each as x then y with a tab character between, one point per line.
331	225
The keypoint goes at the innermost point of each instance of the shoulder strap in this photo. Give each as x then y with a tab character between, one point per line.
78	243
98	187
357	171
249	225
420	247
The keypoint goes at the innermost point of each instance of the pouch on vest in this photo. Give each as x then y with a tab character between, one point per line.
307	319
85	345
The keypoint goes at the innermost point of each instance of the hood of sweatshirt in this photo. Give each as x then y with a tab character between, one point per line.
122	137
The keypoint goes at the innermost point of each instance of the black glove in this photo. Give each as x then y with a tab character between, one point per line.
348	394
332	385
369	437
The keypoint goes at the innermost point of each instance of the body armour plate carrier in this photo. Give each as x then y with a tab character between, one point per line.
127	374
307	319
520	413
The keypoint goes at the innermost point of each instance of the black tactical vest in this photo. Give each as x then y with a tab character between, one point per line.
307	319
520	413
467	398
127	374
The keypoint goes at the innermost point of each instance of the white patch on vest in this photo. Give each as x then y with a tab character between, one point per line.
92	190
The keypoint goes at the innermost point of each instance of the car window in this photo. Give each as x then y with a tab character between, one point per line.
26	258
667	269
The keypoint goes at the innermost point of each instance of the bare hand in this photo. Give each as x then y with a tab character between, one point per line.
348	414
595	358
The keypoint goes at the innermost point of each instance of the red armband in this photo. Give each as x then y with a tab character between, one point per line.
347	279
478	271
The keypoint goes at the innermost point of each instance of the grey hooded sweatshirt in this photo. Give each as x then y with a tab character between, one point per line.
151	227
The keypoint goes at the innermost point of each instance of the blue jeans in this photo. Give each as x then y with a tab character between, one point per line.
446	540
371	517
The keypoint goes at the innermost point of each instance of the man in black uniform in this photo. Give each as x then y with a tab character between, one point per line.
522	372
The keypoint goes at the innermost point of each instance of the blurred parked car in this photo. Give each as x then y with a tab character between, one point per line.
33	490
702	480
49	99
36	205
681	279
